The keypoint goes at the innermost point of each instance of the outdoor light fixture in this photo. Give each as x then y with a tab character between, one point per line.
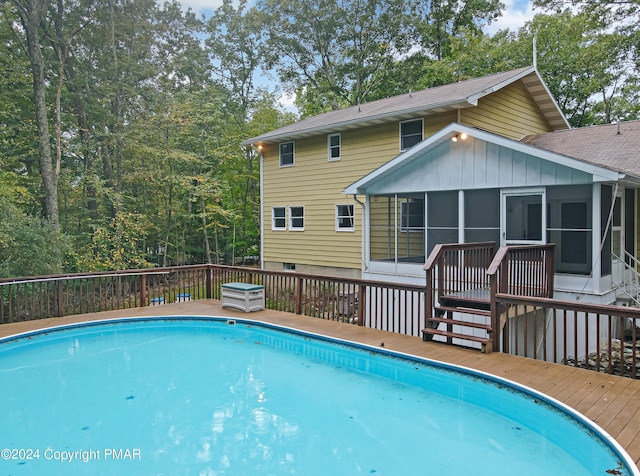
462	135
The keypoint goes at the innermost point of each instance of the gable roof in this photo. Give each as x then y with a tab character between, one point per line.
599	172
614	146
449	97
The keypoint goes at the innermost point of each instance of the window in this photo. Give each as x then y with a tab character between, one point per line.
296	218
412	215
334	143
278	218
289	266
410	133
345	218
286	154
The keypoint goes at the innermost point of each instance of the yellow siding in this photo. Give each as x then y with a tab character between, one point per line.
510	112
316	183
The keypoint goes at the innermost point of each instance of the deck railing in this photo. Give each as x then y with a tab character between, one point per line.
602	338
590	336
526	270
387	306
457	268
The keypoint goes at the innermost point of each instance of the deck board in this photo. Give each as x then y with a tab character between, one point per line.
612	402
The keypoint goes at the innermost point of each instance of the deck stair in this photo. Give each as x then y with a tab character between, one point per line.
629	287
462	280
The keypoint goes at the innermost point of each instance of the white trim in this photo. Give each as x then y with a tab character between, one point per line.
600	174
353	218
291	218
400	123
518	192
273	219
329	136
261	209
293	153
461	217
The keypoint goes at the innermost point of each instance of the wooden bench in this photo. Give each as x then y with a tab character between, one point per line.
242	296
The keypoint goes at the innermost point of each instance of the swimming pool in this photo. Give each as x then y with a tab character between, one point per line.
207	396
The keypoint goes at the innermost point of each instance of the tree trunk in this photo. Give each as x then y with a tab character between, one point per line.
31	12
207	248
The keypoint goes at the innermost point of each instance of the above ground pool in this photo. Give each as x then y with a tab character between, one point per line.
206	396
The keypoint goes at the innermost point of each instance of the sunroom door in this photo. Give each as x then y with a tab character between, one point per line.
523	217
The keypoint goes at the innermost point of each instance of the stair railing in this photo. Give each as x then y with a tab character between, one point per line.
520	270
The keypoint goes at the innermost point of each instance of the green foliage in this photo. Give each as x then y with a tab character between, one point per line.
116	247
30	246
148	105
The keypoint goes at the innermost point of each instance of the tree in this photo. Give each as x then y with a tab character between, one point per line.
583	63
31	14
29	246
337	49
439	22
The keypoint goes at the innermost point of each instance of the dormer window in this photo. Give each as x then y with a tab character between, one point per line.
410	133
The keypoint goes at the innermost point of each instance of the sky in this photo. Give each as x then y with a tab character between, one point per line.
517	12
515	15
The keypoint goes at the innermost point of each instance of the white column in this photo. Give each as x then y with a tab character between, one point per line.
461	216
596	237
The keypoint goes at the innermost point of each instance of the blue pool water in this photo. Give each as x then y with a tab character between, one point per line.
190	396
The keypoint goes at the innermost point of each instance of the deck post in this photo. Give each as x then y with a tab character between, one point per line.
299	284
59	299
143	290
209	282
361	304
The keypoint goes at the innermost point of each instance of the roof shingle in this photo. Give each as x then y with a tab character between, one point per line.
432	100
613	146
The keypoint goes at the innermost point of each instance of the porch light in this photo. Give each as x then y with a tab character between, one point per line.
462	135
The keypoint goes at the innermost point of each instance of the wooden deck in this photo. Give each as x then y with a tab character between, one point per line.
611	402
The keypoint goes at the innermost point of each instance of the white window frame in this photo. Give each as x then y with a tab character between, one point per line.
292	218
421	120
293	153
273	219
339	217
330	147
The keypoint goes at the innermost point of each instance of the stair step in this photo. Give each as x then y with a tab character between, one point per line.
486	342
455	322
456	335
466	310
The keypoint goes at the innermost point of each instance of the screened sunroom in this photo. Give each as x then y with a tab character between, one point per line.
488	188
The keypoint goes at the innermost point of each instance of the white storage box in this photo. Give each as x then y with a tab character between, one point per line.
243	296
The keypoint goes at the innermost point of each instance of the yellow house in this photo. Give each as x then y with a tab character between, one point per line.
368	191
311	226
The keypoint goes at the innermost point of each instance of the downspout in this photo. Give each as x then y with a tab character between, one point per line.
365	227
261	206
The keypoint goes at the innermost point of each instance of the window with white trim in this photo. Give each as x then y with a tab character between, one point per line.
278	218
287	154
345	218
296	218
334	146
410	133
